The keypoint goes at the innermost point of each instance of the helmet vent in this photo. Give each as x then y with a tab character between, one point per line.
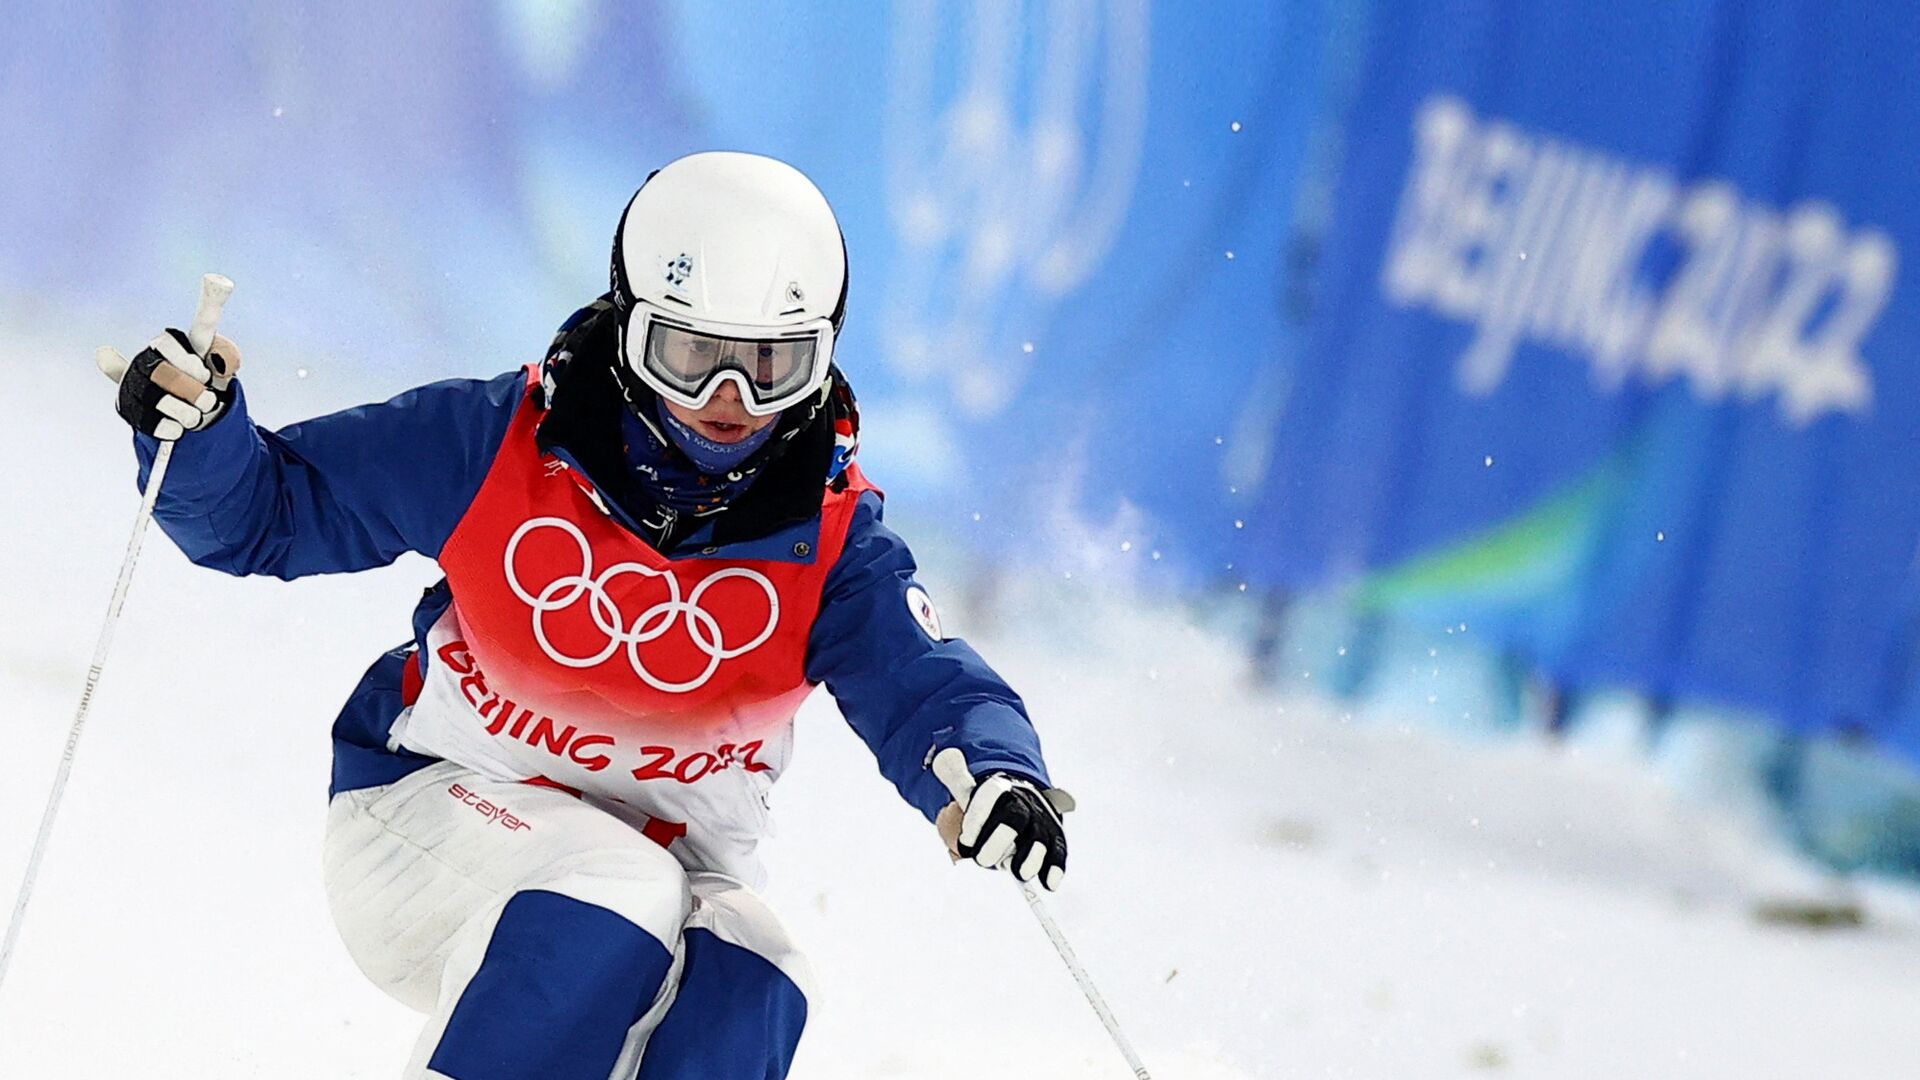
683	302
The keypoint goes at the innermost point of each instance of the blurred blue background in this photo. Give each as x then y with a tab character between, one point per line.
1510	366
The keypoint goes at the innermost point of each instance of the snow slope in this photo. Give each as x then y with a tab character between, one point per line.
1263	888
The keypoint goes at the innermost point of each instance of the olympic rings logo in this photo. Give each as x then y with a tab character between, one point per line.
654	622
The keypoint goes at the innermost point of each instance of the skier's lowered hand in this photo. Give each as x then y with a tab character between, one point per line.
167	389
1007	820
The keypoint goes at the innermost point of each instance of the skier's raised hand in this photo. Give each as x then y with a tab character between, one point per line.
168	389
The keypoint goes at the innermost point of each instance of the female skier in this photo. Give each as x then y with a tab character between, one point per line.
546	805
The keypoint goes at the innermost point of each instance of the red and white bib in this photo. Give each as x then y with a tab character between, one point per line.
576	654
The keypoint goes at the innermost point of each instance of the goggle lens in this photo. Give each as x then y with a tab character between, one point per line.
687	360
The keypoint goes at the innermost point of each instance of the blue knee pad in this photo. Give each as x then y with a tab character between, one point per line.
736	1017
562	982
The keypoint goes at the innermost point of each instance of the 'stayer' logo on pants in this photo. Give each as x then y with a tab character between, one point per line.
490	811
561	595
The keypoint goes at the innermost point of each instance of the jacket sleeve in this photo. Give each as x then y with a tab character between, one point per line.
347	491
905	694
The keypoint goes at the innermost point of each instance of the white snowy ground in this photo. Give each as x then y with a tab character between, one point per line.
1262	889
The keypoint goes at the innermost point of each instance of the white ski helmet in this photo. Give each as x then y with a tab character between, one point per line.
729	266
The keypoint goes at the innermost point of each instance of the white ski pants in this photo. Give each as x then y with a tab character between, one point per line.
544	937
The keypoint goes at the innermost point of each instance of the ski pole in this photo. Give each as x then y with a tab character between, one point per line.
950	765
214	290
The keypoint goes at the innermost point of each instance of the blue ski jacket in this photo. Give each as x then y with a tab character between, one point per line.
358	488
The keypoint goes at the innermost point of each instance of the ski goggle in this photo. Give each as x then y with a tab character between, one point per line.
685	363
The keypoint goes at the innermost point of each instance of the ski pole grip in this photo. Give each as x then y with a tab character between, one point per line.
214	290
950	765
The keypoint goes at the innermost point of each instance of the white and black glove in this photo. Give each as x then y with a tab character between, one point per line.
1006	821
167	389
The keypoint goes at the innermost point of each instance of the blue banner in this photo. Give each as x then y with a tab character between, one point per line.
1066	220
1613	353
